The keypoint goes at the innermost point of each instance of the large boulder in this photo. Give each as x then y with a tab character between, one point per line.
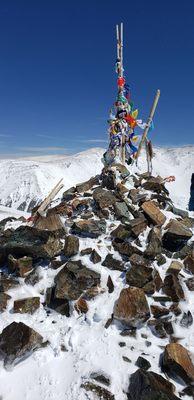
176	361
176	235
91	228
153	213
147	385
131	308
30	241
74	279
17	341
71	247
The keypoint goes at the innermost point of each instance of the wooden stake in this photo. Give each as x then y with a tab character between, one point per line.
49	198
144	136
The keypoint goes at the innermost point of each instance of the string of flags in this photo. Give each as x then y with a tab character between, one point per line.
124	117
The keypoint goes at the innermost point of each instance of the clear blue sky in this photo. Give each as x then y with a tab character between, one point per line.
57	77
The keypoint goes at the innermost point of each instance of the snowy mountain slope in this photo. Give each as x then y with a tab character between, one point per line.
24	182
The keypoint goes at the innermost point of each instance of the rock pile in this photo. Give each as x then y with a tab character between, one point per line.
130	225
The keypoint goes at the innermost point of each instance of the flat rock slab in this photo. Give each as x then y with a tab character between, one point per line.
18	340
30	241
176	235
28	305
153	212
73	280
131	308
147	385
89	228
176	360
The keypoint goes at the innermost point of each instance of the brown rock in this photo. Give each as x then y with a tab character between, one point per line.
22	266
113	264
89	228
125	248
154	246
28	305
104	198
3	301
86	251
175	267
121	232
154	213
110	285
7	283
138	225
71	247
99	391
131	308
18	340
176	361
81	306
190	284
85	186
189	264
95	257
158	311
173	288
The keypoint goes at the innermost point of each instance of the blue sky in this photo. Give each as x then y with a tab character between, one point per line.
57	77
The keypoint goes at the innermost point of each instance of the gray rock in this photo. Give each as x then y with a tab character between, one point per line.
30	241
176	235
89	228
113	264
147	385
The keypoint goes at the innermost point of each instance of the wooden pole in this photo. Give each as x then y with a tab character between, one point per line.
49	198
144	136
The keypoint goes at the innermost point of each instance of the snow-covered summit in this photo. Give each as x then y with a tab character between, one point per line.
24	182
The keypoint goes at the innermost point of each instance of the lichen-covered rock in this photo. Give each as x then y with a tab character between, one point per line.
71	247
73	280
131	308
18	340
22	266
147	385
177	361
30	241
176	235
89	228
28	305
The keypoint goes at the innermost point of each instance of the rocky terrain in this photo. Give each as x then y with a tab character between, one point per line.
104	294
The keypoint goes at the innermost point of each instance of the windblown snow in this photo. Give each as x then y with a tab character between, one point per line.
24	182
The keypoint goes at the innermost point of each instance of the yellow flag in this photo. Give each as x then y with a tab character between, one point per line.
134	113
